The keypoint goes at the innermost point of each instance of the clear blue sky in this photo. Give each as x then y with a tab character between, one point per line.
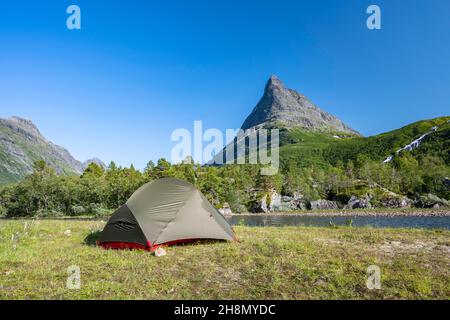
140	69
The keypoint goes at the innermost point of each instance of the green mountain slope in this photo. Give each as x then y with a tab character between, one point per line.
307	148
21	144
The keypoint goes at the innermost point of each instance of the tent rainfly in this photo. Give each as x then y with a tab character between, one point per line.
165	211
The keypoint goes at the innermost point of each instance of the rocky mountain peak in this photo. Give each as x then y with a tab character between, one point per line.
274	83
23	126
274	88
280	106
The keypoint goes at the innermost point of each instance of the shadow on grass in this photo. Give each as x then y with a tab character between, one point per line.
91	239
194	242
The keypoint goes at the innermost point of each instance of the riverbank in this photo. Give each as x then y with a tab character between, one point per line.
378	212
267	263
375	212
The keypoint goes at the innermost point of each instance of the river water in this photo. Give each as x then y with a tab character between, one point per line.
355	221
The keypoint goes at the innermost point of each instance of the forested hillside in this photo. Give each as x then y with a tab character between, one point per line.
319	171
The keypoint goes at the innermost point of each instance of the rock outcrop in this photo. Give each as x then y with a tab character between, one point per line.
324	205
359	203
294	202
430	201
225	210
267	202
396	202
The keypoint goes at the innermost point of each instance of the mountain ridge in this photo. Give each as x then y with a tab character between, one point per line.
280	106
21	144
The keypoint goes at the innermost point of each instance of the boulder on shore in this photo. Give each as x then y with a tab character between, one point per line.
225	210
324	205
359	203
430	201
396	202
294	202
267	202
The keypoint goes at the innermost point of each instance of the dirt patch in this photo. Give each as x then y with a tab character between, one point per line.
394	247
328	241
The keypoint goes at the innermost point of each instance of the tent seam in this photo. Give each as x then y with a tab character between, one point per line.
176	214
141	187
217	211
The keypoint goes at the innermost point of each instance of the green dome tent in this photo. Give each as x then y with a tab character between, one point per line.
164	211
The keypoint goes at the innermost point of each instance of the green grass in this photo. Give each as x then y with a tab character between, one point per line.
267	263
305	147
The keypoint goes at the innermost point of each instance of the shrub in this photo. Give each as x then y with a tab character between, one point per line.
77	210
2	211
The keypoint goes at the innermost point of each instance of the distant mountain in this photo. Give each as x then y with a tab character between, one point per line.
21	144
289	111
282	107
97	161
310	136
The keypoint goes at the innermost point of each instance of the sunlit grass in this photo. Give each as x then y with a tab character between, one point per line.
267	263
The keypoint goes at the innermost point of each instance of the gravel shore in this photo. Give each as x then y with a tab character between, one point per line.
440	212
378	212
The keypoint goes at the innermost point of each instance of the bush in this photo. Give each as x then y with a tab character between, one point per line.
97	192
2	211
97	209
77	210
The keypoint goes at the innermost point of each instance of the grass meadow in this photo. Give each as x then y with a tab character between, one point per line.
267	263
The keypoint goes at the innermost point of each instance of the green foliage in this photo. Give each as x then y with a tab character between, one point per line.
316	165
320	165
381	146
99	191
321	149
